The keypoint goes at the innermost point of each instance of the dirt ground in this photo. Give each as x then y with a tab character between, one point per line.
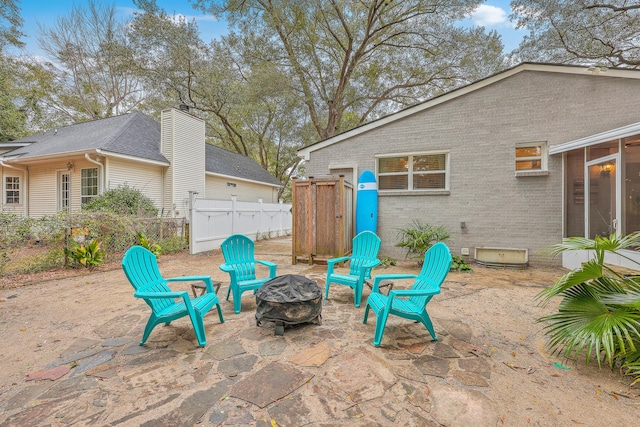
41	314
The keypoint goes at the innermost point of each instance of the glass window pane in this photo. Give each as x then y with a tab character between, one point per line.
528	164
631	201
601	150
429	163
429	181
535	151
393	182
574	203
393	164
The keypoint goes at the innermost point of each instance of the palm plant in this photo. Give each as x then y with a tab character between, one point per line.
600	309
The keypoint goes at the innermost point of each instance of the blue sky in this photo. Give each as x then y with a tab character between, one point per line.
493	14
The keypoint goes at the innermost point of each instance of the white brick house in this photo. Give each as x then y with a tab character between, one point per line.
506	161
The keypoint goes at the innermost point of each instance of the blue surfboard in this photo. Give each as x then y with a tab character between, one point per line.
367	203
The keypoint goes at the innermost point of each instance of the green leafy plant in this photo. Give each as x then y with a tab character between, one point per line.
458	263
386	262
146	243
599	315
416	239
123	200
88	256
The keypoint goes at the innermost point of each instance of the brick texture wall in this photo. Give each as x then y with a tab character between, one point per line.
480	130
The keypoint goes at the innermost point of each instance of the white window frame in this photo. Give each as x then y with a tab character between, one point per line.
64	194
410	173
13	189
86	198
542	157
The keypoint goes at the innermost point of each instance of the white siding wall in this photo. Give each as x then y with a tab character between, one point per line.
144	177
187	156
218	187
166	148
43	186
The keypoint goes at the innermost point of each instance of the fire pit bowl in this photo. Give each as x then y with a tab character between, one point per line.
290	299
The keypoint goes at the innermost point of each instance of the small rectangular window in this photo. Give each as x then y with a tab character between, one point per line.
12	189
531	157
413	172
89	184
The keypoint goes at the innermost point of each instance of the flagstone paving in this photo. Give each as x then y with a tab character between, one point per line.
320	375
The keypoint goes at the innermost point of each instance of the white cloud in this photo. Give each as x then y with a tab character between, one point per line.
490	16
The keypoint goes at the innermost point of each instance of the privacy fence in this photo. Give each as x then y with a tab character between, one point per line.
212	221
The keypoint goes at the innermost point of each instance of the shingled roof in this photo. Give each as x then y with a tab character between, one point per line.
133	134
225	162
136	135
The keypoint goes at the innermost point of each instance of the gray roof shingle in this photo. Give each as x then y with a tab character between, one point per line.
136	135
133	134
225	162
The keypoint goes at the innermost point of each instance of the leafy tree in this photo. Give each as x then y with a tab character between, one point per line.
247	104
599	315
12	118
360	60
93	66
123	200
580	31
10	24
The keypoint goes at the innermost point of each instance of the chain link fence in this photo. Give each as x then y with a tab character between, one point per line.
29	245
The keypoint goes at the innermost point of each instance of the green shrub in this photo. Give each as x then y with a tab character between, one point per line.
146	243
88	256
51	259
419	237
459	264
123	200
173	244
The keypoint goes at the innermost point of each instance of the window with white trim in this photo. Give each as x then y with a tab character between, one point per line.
414	172
531	157
89	184
12	190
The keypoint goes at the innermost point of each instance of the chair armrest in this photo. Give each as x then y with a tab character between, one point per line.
160	295
380	277
188	279
272	267
205	279
410	293
333	261
371	264
226	268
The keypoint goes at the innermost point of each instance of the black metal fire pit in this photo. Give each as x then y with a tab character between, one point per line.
289	300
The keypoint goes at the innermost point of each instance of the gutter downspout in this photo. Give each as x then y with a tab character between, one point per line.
102	177
26	184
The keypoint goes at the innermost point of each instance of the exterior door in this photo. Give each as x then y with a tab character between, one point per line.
602	209
64	191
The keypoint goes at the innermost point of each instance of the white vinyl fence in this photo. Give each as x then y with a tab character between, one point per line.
212	221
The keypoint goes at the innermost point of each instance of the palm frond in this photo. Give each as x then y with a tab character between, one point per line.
584	322
590	270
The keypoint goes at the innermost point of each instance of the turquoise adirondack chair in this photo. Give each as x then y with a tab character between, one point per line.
240	263
141	268
410	304
364	256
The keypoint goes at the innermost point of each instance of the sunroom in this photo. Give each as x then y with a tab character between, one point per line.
601	190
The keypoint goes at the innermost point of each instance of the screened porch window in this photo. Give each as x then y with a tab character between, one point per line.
413	172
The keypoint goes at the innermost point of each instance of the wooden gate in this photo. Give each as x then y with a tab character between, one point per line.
322	218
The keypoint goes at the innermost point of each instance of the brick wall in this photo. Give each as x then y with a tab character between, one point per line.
480	130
